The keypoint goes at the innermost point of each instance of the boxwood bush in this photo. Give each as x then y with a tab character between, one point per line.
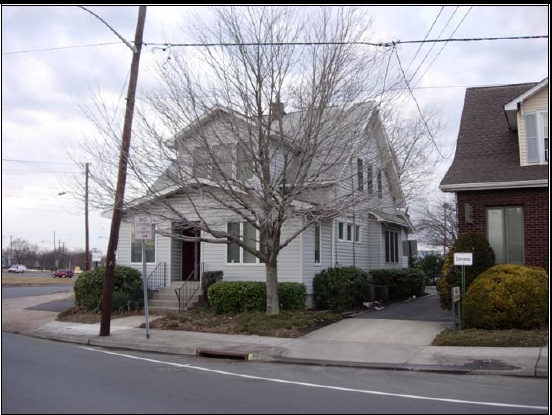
403	282
127	290
507	297
236	296
483	259
340	288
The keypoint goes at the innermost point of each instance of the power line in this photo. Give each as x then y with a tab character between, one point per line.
165	46
445	44
418	105
60	48
41	171
38	161
425	37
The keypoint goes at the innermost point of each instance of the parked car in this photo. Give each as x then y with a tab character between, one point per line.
63	273
18	269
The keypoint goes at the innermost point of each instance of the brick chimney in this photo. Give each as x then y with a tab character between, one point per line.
277	110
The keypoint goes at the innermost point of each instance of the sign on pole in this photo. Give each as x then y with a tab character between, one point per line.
96	256
455	294
463	258
142	228
143	231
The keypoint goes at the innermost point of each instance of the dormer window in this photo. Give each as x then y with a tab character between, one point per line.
536	126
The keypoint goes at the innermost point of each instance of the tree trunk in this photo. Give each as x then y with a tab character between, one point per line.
272	301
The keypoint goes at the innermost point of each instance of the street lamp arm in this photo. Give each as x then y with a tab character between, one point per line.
110	28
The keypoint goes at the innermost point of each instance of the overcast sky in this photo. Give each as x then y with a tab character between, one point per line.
41	119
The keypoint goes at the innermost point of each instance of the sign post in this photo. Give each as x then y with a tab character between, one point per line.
143	231
463	259
96	257
455	295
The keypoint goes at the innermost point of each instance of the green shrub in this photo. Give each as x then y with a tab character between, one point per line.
431	264
292	295
340	288
507	297
483	259
127	290
236	296
403	282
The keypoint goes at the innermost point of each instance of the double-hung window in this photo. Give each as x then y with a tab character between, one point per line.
505	234
348	232
246	232
136	247
360	174
370	179
391	247
536	133
380	184
317	243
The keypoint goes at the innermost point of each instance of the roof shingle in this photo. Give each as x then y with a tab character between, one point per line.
487	150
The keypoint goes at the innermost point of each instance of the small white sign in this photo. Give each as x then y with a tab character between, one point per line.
96	256
463	258
455	294
142	228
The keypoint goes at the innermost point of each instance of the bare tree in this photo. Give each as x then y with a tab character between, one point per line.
215	146
438	224
22	252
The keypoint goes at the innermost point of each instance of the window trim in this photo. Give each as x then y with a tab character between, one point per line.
540	135
390	246
257	247
343	228
318	227
505	230
132	225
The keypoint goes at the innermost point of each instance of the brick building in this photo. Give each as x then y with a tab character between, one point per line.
500	170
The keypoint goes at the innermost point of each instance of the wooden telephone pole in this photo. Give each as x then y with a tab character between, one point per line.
121	177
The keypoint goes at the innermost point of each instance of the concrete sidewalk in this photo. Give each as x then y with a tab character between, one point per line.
382	344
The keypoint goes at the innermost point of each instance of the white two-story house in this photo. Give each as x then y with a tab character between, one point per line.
357	202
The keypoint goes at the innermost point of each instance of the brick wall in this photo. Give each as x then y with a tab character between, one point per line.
535	212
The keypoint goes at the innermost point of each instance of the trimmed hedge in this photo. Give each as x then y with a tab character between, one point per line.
236	296
403	282
507	297
340	288
127	290
483	259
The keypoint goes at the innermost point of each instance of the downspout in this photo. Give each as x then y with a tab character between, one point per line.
301	253
333	243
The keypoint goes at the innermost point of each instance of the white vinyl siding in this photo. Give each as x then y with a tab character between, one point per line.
535	104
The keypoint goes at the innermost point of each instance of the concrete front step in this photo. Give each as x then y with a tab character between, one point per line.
167	309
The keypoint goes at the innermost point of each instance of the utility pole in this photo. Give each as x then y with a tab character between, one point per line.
121	176
445	205
55	257
11	250
86	245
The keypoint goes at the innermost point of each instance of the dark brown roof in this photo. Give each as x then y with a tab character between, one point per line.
487	150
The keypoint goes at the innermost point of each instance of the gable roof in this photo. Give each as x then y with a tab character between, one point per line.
511	108
487	151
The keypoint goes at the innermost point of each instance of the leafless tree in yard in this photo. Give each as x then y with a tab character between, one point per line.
215	146
438	224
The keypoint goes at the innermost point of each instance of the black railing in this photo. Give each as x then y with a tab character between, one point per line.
157	278
186	292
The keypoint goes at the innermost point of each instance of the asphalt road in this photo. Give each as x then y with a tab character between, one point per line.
421	309
18	292
40	376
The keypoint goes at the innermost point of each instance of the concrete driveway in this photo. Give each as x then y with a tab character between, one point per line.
406	324
426	308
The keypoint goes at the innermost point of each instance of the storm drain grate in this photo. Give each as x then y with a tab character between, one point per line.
222	354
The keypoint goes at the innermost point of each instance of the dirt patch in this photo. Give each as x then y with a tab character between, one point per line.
74	315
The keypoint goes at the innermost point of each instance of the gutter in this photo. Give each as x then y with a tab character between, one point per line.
494	185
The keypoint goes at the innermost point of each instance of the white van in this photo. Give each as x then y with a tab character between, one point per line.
18	269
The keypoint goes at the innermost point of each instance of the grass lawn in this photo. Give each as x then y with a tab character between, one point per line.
12	280
492	338
288	324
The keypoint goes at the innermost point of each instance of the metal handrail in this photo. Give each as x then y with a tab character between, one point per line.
159	275
187	297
